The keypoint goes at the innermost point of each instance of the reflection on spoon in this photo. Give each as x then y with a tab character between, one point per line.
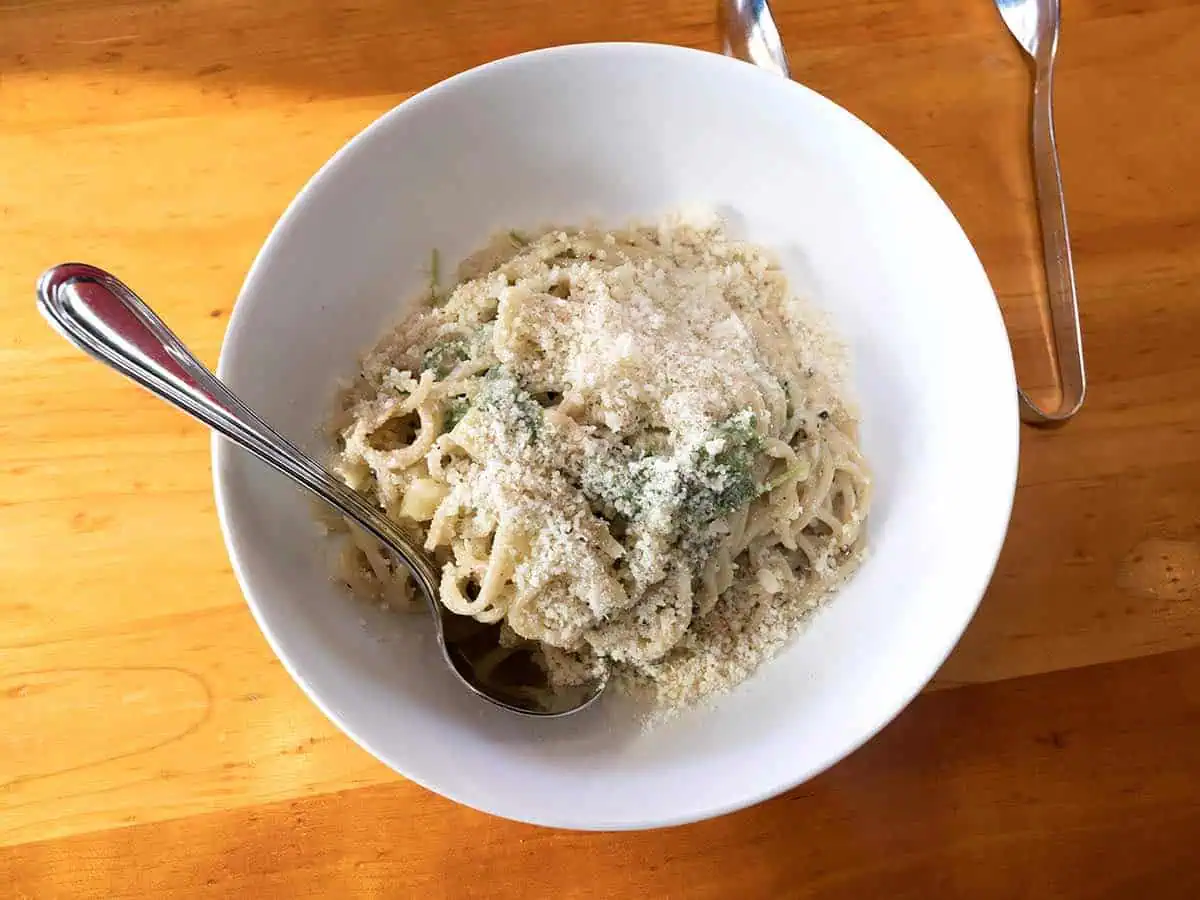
97	313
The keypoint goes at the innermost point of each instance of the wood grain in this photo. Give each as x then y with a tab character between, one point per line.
1075	784
161	140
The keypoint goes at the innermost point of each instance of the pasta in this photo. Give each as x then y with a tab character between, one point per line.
629	447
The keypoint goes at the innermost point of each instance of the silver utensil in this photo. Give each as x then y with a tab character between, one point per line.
97	313
749	33
1035	25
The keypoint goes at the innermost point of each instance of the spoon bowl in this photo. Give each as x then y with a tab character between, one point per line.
1028	21
101	316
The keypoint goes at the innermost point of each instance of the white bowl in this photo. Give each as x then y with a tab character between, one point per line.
614	132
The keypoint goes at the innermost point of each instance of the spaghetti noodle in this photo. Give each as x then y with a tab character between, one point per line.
626	446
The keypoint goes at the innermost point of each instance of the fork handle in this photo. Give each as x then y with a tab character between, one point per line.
1056	249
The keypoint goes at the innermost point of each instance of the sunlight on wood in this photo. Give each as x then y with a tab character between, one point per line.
162	141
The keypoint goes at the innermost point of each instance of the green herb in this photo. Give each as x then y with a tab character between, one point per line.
741	430
799	471
719	482
616	482
454	411
504	397
442	357
518	239
625	484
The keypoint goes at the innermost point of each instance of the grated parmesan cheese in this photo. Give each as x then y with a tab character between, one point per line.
630	447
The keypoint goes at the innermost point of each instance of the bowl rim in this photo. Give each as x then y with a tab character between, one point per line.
223	452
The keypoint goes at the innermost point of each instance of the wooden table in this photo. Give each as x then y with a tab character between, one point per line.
151	745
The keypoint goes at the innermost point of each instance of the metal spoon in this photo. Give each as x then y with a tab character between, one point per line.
749	33
104	318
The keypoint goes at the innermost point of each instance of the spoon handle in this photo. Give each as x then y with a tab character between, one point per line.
97	313
1056	250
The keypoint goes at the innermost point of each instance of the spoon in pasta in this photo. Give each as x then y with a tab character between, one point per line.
101	316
